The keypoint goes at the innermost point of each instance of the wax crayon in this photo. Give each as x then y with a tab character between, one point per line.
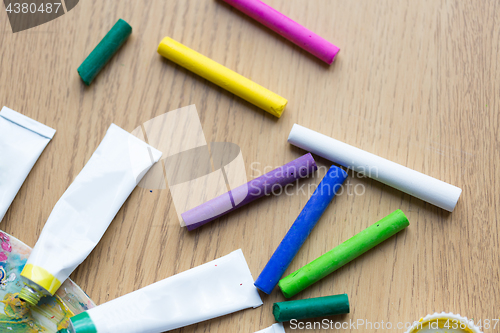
311	308
412	182
272	182
344	253
300	230
104	51
287	28
222	76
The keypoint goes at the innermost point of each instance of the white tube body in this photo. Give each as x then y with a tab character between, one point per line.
22	140
412	182
84	212
276	328
214	289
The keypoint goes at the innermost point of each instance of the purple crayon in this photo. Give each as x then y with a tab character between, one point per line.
264	185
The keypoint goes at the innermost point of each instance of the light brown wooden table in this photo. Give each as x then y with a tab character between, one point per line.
417	82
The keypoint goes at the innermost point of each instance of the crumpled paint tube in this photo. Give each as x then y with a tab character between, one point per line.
22	141
276	328
211	290
84	212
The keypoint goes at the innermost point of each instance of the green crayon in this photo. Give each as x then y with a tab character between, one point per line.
311	308
104	51
344	253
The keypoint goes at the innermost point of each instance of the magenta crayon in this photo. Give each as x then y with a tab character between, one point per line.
273	182
287	28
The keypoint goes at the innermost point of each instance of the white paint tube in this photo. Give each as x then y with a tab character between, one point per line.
276	328
211	290
22	141
84	212
409	181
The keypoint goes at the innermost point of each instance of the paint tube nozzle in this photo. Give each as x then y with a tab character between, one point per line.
30	295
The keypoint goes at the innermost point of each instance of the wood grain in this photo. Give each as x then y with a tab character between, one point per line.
417	82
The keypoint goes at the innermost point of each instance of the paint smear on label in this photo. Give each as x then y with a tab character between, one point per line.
51	314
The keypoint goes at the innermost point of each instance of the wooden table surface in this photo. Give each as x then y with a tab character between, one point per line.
417	82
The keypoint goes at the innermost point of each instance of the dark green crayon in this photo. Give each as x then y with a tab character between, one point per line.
104	51
311	308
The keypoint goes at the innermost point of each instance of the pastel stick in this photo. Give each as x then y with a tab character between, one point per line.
288	28
311	308
104	51
300	230
343	253
222	76
246	193
410	181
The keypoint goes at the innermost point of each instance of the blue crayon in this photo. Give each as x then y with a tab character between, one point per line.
300	229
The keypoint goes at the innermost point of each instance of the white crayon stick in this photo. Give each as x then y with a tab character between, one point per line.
412	182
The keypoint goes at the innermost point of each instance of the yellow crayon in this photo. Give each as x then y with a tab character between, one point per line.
222	76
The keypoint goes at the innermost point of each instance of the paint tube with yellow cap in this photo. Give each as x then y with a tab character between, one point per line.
84	212
214	289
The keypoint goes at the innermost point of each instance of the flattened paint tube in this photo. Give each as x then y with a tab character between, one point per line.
344	253
311	308
22	141
211	290
222	76
84	212
300	230
409	181
262	186
287	28
276	328
104	51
